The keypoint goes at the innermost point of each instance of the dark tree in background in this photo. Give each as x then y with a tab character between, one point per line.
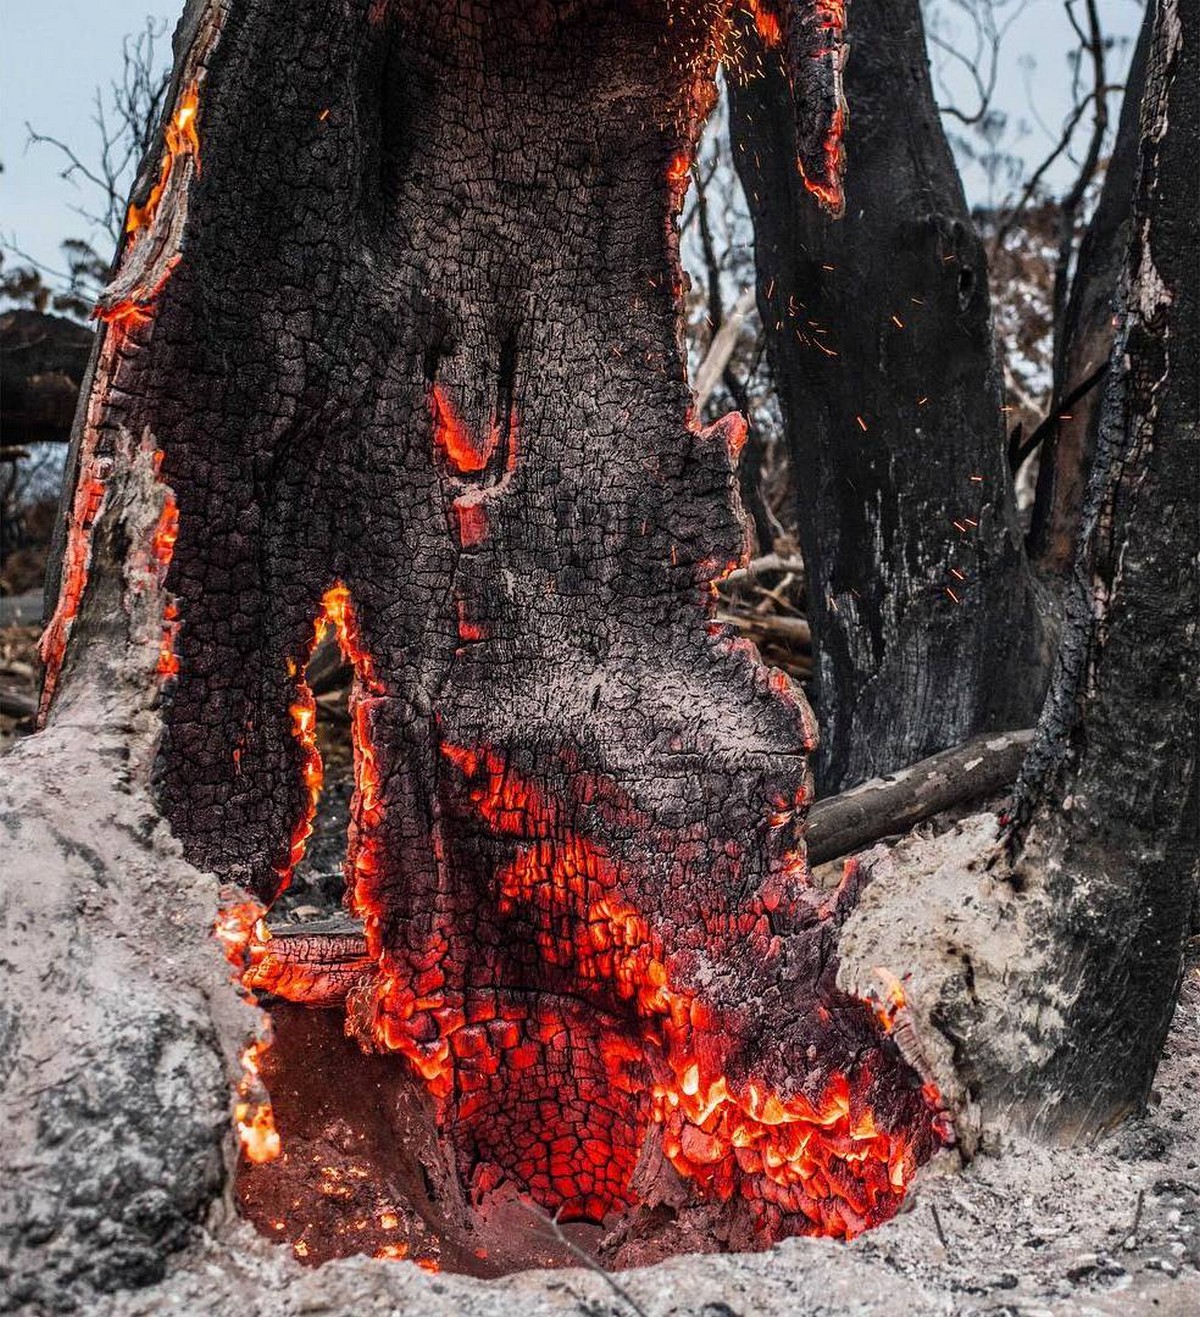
879	330
1108	814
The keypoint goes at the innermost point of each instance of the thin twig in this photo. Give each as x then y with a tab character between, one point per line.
937	1225
586	1258
1020	450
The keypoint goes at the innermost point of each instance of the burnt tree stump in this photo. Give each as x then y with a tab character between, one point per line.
395	329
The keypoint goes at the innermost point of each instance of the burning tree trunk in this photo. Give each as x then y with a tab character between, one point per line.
880	340
393	343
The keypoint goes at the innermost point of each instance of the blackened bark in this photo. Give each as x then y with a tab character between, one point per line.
880	339
396	324
1108	812
1085	342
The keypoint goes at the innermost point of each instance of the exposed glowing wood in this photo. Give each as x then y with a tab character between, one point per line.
337	615
85	508
154	227
315	966
253	1115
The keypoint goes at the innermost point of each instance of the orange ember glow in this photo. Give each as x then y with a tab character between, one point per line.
766	21
238	927
893	999
147	265
181	139
253	1115
829	190
163	548
465	452
821	1160
303	713
472	520
85	508
126	314
679	174
337	612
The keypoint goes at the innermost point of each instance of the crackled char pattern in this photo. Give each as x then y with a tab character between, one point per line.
422	341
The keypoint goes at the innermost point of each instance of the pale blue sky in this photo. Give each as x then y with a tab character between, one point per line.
53	54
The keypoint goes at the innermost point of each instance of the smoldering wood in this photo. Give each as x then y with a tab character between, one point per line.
335	950
386	381
120	1099
880	342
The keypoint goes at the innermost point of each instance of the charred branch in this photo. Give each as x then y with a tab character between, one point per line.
887	806
1084	334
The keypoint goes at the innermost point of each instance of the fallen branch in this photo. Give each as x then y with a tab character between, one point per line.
722	348
794	631
16	703
887	805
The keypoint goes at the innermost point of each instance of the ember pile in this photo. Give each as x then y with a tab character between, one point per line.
551	1069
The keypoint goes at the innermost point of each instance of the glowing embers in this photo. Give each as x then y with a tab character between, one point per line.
824	1166
166	532
826	185
569	1038
465	451
822	52
766	22
336	612
154	229
239	926
253	1115
679	177
85	508
180	139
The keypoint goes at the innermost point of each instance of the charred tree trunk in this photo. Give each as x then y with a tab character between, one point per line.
1108	813
880	339
1085	344
393	344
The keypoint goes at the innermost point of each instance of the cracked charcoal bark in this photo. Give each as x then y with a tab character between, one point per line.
1107	806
